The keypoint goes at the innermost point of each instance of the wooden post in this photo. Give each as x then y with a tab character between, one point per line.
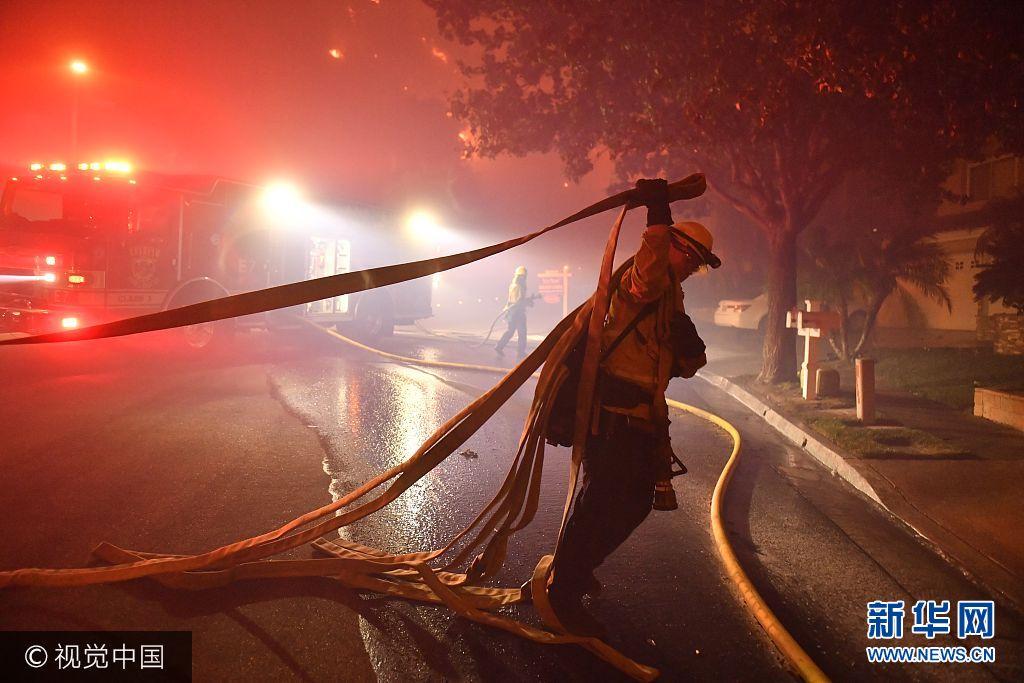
866	390
565	290
812	356
809	368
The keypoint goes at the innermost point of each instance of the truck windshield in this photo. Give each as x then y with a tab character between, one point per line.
41	208
37	205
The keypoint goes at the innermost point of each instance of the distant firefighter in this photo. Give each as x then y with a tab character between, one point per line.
515	312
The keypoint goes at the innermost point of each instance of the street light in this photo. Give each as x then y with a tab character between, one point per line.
79	68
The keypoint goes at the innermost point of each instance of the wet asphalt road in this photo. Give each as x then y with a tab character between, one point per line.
815	549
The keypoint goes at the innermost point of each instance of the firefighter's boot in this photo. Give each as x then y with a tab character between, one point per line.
592	587
574	616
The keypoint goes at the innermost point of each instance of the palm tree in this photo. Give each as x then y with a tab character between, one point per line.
902	261
827	274
1001	249
869	266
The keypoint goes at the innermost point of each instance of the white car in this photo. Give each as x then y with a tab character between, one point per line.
750	314
747	314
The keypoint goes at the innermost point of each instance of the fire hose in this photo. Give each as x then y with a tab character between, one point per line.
490	330
795	655
503	314
406	575
472	345
306	291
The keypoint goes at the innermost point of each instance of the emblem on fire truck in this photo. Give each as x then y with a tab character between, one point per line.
143	259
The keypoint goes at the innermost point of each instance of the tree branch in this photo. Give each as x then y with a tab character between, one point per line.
759	219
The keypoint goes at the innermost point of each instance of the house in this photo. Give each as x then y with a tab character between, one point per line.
923	321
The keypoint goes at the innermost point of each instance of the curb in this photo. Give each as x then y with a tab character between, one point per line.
979	568
803	440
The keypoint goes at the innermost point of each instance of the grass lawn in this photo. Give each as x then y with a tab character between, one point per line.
834	418
879	441
948	376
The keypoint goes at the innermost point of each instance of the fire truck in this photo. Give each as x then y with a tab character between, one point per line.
95	241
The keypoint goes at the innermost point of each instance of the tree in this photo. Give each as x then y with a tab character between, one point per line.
847	269
775	100
860	253
1001	248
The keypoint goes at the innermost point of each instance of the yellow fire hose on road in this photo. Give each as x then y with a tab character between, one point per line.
787	645
408	575
795	655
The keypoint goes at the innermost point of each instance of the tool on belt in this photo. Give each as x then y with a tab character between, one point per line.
426	575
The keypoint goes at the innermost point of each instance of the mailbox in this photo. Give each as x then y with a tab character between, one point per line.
811	324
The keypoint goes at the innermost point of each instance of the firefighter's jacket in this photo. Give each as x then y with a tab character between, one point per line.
644	356
517	301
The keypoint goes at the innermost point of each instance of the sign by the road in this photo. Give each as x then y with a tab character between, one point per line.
554	287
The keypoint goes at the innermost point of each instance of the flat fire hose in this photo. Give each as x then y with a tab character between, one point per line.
797	657
306	291
490	330
407	575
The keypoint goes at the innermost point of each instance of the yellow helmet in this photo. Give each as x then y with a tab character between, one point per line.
694	235
521	270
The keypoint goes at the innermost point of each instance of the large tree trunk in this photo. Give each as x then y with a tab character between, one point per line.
779	350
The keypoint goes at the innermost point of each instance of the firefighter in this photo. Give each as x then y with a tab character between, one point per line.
627	455
515	312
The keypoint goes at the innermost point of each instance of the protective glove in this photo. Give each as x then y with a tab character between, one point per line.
653	193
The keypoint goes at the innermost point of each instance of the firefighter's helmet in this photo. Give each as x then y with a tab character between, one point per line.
521	270
698	238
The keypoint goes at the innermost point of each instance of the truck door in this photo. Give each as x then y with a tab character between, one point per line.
141	254
328	256
203	240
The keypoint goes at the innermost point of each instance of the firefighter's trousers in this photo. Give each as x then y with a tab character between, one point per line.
516	325
615	495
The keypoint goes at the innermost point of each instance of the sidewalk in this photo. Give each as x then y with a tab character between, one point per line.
954	478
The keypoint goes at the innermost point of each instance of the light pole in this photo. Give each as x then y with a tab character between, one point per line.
78	69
